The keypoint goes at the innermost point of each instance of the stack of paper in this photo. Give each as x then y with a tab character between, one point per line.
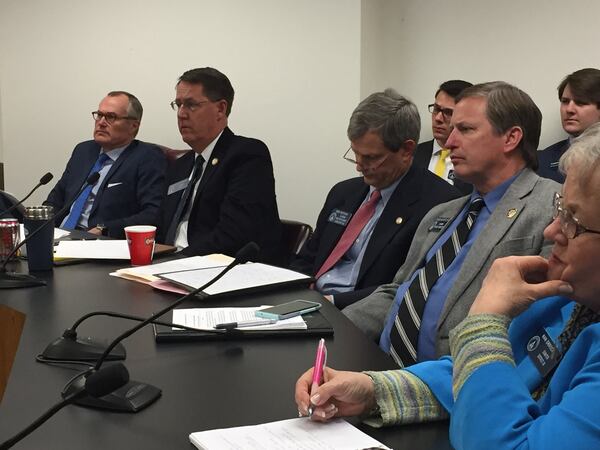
207	318
301	433
147	274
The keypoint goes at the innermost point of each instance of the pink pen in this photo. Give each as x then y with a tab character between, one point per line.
320	361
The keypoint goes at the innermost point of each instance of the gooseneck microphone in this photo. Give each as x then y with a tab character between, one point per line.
69	347
44	180
97	384
17	280
135	395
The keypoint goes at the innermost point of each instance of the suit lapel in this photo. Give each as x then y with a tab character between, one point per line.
400	205
498	224
113	169
332	234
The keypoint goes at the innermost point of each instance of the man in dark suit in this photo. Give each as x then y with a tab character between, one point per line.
433	154
579	95
383	132
222	195
132	173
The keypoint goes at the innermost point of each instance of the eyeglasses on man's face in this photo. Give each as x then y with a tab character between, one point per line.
367	162
186	105
569	225
434	109
109	117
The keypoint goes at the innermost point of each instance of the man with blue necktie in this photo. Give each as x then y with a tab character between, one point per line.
130	188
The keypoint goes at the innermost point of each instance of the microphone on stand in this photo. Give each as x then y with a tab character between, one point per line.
135	395
96	384
44	180
9	280
69	347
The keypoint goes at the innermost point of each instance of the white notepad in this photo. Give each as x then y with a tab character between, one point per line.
297	434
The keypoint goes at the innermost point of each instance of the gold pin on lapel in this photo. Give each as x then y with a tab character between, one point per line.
399	220
512	212
215	161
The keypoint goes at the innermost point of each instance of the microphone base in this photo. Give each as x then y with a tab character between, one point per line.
14	280
130	398
84	349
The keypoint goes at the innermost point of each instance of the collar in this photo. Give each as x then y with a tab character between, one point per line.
495	195
115	152
207	152
387	192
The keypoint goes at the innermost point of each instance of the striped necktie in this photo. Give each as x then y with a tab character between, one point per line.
79	205
404	335
184	200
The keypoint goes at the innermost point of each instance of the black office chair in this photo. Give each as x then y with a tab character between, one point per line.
7	201
295	234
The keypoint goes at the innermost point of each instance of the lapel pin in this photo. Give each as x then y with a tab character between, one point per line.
399	220
512	212
215	161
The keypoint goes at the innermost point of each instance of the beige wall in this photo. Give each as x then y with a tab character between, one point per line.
295	66
417	44
298	67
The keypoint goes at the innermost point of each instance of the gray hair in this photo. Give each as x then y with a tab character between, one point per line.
394	117
584	153
509	106
134	107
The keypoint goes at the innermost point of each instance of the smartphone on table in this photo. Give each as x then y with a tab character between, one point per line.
287	310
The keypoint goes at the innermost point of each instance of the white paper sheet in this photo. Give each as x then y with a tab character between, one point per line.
207	318
98	249
244	276
298	434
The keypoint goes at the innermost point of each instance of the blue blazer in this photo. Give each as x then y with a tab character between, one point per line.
130	194
418	192
234	203
548	161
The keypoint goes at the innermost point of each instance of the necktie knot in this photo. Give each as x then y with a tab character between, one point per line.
476	206
375	196
102	158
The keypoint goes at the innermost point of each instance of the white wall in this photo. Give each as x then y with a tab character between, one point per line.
299	68
295	67
530	43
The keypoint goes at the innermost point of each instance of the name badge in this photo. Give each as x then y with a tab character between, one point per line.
554	165
339	217
451	175
438	224
543	352
179	186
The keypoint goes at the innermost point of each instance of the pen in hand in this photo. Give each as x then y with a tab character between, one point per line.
320	361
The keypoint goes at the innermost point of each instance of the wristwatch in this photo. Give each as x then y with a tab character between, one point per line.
103	229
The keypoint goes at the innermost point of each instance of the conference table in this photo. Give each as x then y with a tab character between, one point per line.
205	384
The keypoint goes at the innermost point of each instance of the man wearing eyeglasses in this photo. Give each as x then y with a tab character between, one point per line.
130	188
433	154
221	195
493	145
367	223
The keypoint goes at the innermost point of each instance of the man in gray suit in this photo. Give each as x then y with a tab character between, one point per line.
493	144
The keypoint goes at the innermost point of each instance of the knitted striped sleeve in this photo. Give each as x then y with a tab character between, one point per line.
403	398
479	339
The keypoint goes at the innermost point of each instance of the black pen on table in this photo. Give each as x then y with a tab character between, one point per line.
244	324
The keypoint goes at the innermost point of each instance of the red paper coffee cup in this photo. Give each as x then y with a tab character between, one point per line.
140	239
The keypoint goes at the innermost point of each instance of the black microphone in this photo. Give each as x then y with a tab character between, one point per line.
44	180
69	347
96	384
17	280
135	395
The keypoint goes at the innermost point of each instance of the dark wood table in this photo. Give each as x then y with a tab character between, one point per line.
205	385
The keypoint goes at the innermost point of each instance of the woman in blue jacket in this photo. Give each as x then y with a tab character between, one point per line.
531	382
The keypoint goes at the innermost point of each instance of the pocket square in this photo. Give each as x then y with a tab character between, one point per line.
109	185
